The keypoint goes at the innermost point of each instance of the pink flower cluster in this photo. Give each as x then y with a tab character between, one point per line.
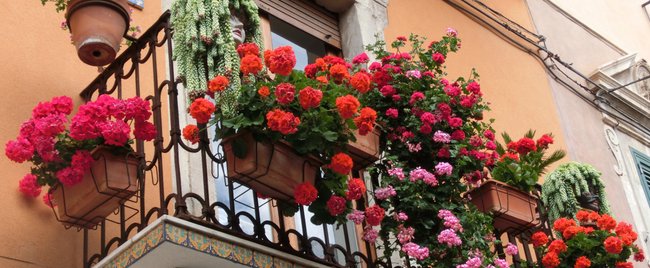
450	220
385	193
422	174
474	262
107	118
405	234
415	251
397	172
444	168
356	216
370	234
449	237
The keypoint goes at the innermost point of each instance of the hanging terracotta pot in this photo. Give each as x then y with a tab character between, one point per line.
97	28
111	180
365	150
512	209
271	169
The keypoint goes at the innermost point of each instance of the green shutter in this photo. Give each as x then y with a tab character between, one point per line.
642	163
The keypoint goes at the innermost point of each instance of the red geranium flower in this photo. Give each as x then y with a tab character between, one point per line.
284	122
281	60
374	215
218	83
438	58
366	121
341	163
526	145
626	233
550	260
339	72
360	81
571	231
191	133
201	110
246	49
336	205
250	64
582	262
624	265
285	93
539	239
544	141
264	91
562	223
309	97
582	215
347	106
606	222
613	245
557	246
305	193
356	189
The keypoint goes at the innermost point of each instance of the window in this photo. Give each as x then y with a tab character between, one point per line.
642	163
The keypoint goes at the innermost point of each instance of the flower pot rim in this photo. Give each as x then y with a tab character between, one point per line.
75	5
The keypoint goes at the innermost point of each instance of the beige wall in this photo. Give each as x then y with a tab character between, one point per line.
38	62
513	82
624	23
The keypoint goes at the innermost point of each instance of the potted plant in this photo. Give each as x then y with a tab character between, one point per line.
514	175
572	186
434	143
285	128
97	27
603	244
89	165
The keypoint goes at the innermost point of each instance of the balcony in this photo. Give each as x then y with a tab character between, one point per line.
188	214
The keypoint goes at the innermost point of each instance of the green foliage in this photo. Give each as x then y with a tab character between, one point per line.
60	5
204	47
562	187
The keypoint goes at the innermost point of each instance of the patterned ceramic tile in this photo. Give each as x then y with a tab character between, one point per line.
243	255
280	263
261	260
176	234
221	249
198	241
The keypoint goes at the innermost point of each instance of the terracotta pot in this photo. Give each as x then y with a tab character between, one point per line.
273	170
365	150
513	210
111	181
97	27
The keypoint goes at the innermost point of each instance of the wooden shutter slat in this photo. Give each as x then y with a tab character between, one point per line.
306	16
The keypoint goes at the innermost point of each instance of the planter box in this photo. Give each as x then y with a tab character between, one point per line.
513	210
111	181
271	169
365	150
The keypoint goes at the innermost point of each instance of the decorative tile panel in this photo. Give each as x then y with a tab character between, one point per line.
198	241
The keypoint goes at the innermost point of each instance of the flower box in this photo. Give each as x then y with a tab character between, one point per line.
111	180
365	150
271	169
512	209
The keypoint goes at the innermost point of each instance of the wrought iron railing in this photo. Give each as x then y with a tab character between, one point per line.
146	69
137	72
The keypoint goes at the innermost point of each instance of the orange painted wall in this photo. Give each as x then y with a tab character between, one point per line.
513	82
38	62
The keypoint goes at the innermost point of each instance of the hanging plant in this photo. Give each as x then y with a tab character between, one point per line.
204	46
563	187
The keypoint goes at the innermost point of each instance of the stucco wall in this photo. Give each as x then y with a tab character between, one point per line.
38	62
583	123
624	23
513	82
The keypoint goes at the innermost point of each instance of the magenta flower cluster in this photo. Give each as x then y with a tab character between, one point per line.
104	121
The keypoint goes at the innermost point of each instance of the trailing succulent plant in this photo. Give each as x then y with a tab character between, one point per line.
563	187
204	46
